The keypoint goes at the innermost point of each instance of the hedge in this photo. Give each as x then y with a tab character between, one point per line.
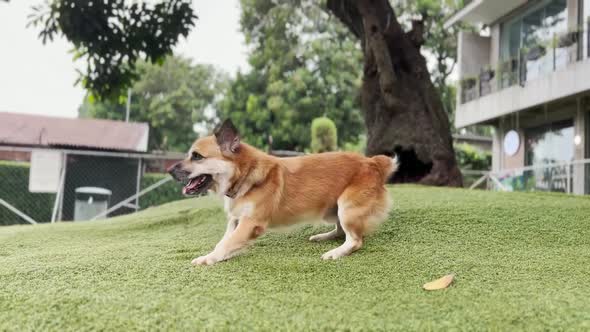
168	192
14	188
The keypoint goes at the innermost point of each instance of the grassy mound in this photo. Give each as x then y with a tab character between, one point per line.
521	262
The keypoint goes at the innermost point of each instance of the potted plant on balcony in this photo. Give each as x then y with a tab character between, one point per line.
468	91
506	71
486	75
568	39
535	52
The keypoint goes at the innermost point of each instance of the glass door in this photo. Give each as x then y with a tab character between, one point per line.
587	153
550	144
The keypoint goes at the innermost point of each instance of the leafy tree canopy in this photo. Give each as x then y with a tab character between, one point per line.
304	65
171	98
112	35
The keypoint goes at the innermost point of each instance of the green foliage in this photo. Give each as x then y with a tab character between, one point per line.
112	35
324	135
168	192
471	158
171	98
304	64
521	263
14	188
358	147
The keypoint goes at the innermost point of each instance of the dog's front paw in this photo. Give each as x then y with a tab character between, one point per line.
334	254
209	259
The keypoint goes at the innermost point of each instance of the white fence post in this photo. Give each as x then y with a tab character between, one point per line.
18	212
498	183
567	179
57	205
479	181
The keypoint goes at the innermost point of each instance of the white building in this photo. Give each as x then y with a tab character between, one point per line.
527	73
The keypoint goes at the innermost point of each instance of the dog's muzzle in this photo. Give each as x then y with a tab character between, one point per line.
192	186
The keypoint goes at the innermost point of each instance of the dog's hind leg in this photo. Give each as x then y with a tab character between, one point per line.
336	233
351	224
358	210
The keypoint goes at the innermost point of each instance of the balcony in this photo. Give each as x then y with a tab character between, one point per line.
483	11
549	70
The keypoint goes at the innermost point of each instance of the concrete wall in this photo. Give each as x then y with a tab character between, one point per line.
473	53
497	147
495	45
572	14
503	161
580	122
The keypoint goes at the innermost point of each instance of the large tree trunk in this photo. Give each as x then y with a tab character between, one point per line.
402	109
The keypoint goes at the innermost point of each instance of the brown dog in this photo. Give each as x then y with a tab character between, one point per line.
263	191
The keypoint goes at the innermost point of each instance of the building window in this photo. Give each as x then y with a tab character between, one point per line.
550	144
528	37
585	24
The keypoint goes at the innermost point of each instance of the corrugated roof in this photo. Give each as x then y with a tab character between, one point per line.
40	130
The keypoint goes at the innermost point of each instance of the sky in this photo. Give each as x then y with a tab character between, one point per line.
39	79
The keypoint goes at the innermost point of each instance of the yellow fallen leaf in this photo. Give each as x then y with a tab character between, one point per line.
441	283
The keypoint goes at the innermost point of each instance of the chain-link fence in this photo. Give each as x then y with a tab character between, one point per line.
48	185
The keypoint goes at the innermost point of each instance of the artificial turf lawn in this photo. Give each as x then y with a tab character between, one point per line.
522	261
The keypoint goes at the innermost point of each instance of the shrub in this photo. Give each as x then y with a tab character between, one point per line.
168	192
324	135
471	158
358	147
14	188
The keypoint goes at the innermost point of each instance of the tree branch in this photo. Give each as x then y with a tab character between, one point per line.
348	14
376	21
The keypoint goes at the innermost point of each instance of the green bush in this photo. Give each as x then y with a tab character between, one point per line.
14	188
168	192
324	135
471	158
358	147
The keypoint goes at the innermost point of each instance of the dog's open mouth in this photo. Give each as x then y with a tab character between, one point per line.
197	185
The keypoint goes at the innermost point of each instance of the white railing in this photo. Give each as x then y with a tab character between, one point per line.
567	177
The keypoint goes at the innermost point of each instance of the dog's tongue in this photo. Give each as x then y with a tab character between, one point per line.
192	184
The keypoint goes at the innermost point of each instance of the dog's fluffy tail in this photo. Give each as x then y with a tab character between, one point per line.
387	165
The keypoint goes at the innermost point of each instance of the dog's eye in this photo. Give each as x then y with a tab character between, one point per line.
196	156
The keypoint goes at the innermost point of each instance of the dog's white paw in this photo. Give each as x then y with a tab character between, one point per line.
334	254
316	238
209	259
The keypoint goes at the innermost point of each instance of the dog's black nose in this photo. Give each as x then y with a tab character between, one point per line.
172	168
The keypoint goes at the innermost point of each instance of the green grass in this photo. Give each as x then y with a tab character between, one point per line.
521	260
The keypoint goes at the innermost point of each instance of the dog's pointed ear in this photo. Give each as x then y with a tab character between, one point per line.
227	137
